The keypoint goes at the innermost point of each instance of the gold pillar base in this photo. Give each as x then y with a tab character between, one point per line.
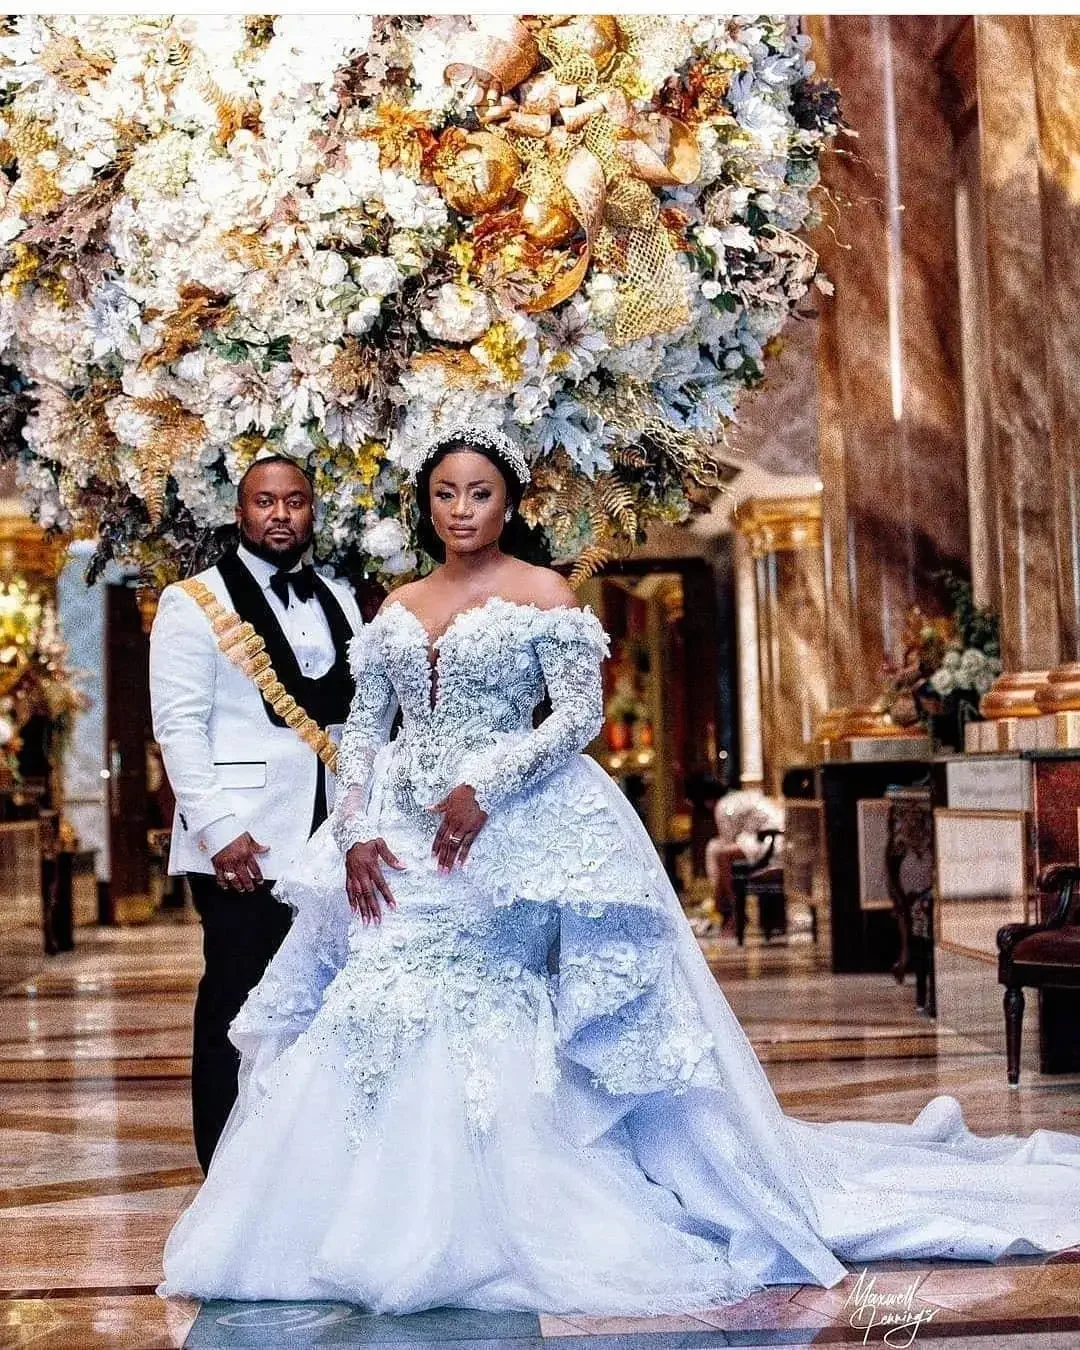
1012	713
1059	703
1061	691
828	742
1013	695
840	726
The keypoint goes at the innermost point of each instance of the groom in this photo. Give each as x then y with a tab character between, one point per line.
246	766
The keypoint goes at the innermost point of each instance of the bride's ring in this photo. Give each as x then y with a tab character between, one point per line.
229	876
455	838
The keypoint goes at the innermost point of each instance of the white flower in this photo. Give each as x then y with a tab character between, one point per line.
457	314
362	170
578	342
383	538
603	296
363	316
738	236
396	564
412	205
10	228
406	250
332	193
711	289
764	120
329	269
378	276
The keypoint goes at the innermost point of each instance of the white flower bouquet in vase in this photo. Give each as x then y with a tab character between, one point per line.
947	666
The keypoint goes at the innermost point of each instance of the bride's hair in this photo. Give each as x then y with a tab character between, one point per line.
517	537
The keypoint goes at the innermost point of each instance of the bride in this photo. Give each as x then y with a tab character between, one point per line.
489	1066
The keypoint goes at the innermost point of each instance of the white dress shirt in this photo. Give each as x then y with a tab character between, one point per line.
302	621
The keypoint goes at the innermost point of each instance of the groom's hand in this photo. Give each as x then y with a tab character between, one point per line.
236	866
364	880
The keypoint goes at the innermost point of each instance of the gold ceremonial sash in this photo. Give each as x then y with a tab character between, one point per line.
247	650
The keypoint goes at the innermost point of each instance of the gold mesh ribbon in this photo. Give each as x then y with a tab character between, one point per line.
247	651
602	164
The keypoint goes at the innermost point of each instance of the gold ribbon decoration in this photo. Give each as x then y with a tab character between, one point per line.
588	158
239	641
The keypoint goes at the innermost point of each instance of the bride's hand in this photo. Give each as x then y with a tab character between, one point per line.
461	823
364	880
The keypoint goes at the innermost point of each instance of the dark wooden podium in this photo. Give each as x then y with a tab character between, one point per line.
822	860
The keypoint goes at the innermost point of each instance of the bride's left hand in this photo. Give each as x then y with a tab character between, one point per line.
461	823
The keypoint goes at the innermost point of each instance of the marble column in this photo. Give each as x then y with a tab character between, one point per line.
1055	48
891	421
784	535
1019	477
751	770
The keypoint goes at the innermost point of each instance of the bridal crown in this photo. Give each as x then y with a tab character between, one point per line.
488	438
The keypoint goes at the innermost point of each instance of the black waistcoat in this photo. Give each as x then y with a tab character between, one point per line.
325	700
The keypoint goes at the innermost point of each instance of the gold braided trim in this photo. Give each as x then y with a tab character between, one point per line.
247	651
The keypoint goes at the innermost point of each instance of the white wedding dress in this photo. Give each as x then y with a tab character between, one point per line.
524	1089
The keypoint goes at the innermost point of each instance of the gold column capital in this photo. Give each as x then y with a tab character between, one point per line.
779	524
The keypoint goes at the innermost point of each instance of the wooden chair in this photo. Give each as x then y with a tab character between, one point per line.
765	879
1040	955
909	870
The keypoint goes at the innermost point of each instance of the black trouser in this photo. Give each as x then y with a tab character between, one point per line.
241	932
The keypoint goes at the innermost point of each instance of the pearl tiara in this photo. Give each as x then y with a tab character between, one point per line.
487	438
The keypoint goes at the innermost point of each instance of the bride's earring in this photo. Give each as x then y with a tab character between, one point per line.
508	514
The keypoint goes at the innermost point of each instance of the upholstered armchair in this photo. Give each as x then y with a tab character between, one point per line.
1040	955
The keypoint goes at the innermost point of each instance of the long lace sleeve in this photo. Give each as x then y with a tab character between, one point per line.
570	646
366	730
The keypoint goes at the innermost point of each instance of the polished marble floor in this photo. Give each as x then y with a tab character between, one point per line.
96	1162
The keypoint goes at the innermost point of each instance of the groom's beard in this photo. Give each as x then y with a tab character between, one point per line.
286	558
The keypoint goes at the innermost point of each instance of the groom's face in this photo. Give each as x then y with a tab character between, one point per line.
276	513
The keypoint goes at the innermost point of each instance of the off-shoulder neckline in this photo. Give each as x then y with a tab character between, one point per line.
433	642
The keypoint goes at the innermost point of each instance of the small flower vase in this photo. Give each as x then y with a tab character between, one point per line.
947	727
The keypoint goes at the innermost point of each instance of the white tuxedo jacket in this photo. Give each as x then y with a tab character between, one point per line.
231	769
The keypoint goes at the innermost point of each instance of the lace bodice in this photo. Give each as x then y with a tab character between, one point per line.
469	717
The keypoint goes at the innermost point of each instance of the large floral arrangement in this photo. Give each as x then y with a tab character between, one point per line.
947	665
332	237
35	677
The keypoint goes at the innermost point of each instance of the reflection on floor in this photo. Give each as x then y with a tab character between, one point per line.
96	1162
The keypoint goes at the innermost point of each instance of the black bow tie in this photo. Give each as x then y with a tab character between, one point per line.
302	582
